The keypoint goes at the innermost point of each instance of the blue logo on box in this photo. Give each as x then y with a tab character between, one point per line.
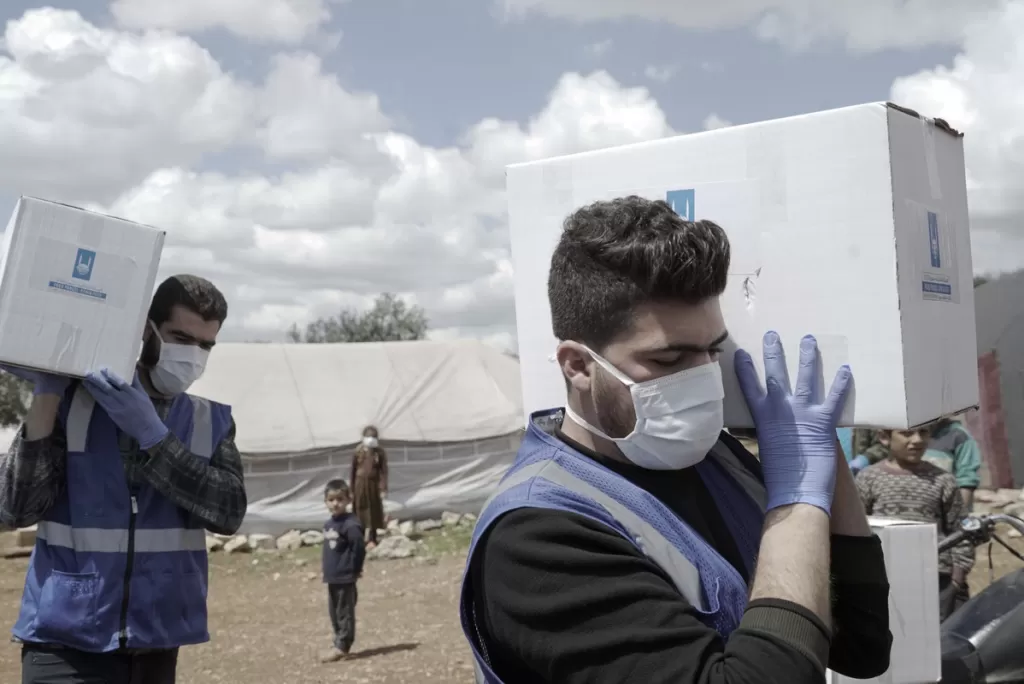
933	239
681	202
83	264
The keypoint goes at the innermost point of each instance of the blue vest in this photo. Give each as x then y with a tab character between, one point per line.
116	567
549	474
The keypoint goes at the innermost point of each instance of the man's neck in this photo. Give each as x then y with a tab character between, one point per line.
585	438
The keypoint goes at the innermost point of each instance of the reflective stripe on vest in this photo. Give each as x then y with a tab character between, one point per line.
96	540
679	569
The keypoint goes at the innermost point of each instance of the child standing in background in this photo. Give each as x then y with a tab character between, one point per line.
343	554
907	487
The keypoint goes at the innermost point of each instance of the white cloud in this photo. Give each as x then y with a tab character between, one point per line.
980	94
662	74
341	208
308	115
122	105
863	25
272	21
713	121
335	206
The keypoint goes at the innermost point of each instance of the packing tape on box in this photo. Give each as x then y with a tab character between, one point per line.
64	344
930	160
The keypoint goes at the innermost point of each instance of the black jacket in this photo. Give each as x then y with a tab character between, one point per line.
344	550
564	599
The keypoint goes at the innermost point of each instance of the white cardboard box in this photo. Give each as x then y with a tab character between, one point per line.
75	288
848	224
912	563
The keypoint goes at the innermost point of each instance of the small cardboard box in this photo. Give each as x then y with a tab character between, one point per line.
75	289
912	563
850	225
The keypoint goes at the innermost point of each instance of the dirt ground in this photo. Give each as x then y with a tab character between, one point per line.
268	619
269	624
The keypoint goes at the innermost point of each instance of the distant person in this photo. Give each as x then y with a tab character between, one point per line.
343	554
123	476
370	483
953	449
907	487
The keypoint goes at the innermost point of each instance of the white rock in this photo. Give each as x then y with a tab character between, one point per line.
406	528
396	546
239	544
213	544
312	538
449	519
262	541
428	525
290	541
393	525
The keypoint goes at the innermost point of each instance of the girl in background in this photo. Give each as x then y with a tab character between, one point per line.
369	483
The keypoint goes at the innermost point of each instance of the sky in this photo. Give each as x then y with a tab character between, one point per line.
314	155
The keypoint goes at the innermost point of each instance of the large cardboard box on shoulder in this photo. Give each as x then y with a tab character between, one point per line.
912	564
848	224
75	288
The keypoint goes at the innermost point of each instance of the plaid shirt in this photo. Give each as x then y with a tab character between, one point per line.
33	477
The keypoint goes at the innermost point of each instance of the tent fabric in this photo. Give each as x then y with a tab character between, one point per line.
449	414
296	397
286	491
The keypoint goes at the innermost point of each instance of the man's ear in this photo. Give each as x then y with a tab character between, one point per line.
884	438
576	364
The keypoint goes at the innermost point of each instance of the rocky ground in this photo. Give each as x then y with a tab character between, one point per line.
268	615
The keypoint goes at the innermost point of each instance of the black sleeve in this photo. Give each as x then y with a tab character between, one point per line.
860	608
566	600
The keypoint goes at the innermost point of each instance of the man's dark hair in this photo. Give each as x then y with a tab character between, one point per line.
618	254
196	294
339	487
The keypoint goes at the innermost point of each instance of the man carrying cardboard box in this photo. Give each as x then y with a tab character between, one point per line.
620	547
122	478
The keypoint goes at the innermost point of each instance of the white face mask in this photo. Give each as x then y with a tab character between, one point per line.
370	442
678	417
180	365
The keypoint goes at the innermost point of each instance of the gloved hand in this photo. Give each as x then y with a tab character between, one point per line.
796	430
859	463
42	383
128	406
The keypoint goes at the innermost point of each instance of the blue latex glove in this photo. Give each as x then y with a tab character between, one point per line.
859	463
796	430
128	406
42	383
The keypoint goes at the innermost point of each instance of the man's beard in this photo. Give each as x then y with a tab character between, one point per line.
150	354
615	414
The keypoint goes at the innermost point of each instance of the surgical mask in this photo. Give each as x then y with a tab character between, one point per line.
178	367
370	442
679	417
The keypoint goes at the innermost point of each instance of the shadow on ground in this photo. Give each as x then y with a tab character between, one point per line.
383	650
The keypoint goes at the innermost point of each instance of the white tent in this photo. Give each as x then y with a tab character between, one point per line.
449	415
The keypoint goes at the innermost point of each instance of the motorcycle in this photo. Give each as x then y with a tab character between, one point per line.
983	641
